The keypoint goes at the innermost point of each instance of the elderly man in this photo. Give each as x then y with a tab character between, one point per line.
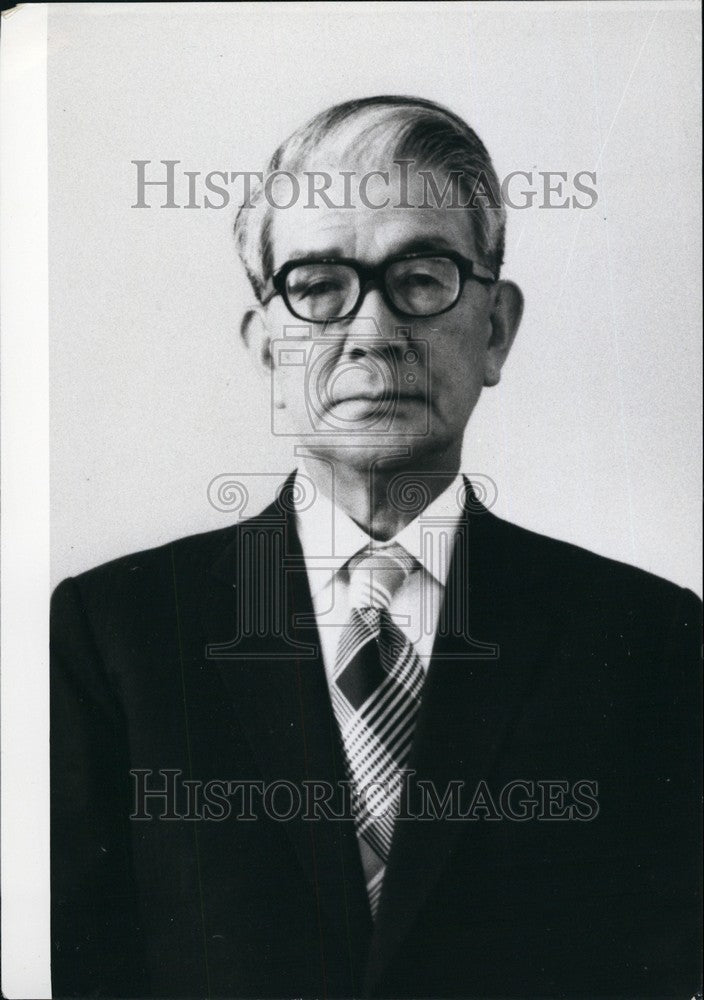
375	741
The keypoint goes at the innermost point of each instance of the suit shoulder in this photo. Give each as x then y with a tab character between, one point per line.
555	563
196	551
191	554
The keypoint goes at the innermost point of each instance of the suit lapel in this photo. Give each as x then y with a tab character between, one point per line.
480	673
274	673
484	661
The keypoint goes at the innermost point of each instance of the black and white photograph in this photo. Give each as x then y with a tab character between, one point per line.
351	500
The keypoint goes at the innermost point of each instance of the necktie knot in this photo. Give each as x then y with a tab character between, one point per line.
376	573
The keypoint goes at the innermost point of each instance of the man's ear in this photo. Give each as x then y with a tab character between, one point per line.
505	318
256	338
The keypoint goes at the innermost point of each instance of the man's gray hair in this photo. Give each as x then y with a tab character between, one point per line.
401	128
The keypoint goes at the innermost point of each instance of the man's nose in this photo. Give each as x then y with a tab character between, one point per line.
374	321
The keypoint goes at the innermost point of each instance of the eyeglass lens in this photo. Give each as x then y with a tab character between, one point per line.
420	286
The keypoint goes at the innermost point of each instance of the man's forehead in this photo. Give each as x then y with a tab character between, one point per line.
368	231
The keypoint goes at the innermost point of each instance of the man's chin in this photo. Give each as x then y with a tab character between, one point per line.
393	449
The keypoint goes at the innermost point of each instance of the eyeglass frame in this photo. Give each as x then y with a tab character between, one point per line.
374	277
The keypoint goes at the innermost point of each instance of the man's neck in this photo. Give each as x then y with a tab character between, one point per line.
369	495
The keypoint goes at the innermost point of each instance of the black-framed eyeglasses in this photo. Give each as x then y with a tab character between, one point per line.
320	290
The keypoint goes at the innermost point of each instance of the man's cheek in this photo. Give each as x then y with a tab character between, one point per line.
287	388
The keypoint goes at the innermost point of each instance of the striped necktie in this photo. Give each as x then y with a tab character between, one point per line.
376	696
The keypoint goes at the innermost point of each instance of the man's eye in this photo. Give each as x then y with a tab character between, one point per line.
420	279
321	287
313	289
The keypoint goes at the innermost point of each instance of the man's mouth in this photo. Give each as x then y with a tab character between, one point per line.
371	406
379	397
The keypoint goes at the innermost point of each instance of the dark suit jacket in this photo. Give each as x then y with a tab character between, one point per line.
551	664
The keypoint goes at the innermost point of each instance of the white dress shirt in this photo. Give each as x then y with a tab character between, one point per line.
329	538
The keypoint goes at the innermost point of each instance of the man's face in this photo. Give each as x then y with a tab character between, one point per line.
381	382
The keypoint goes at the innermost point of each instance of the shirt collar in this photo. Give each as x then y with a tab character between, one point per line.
430	537
329	537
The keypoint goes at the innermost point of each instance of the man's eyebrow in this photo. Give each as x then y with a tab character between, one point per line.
317	254
426	244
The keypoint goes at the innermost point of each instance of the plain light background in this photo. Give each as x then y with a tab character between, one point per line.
593	434
24	489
